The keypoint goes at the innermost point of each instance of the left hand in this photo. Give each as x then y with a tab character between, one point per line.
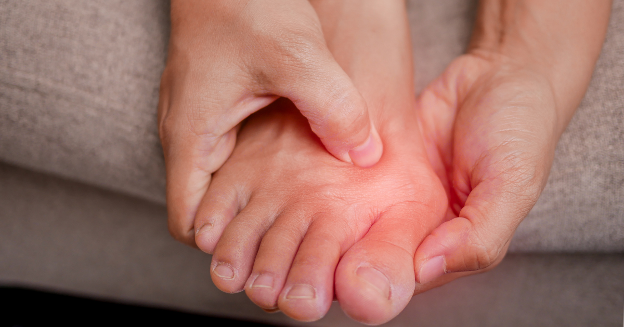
492	120
490	127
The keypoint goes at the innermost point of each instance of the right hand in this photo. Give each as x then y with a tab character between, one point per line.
227	60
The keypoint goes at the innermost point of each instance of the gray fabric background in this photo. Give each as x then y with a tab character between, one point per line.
71	237
79	89
78	95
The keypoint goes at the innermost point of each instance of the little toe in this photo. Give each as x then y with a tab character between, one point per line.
375	278
236	249
308	291
274	258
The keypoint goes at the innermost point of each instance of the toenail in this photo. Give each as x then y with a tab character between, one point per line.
301	291
375	278
272	310
203	228
432	269
263	281
224	271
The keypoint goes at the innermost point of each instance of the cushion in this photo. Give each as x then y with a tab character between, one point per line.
79	90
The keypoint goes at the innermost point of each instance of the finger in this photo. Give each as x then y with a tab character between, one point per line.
477	240
190	160
327	97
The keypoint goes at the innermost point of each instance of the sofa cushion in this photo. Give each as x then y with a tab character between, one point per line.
74	238
79	90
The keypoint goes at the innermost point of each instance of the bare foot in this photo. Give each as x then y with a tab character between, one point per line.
294	226
282	213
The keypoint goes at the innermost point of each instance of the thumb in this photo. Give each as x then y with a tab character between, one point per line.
336	110
477	240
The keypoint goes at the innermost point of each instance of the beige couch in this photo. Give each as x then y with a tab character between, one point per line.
82	176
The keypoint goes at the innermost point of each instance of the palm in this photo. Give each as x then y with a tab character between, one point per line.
488	130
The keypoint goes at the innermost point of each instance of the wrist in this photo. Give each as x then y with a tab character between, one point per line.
559	41
370	40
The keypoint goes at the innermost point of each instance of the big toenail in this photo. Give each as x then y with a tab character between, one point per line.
223	271
263	281
301	291
272	310
376	279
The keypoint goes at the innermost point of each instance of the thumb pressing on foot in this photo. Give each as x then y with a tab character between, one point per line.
229	59
335	109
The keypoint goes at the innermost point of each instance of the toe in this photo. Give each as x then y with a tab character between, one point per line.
274	258
308	291
375	278
236	249
220	205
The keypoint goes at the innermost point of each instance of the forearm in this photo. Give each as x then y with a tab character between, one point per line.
370	40
560	39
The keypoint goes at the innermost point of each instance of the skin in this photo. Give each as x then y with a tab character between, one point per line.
462	165
292	225
228	59
492	120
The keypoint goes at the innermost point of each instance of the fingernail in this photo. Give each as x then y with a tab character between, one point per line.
377	279
263	281
223	271
301	291
432	269
368	153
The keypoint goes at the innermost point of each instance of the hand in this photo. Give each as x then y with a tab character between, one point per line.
490	129
492	120
229	59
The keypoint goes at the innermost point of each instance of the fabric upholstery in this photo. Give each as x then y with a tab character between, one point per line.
79	91
82	198
70	237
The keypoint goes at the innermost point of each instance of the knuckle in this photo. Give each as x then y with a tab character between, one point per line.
299	46
519	176
484	256
343	117
522	186
348	117
179	126
292	50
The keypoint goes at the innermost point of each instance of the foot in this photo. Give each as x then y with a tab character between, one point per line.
288	222
293	226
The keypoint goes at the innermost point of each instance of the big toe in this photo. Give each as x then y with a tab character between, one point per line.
374	281
375	278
